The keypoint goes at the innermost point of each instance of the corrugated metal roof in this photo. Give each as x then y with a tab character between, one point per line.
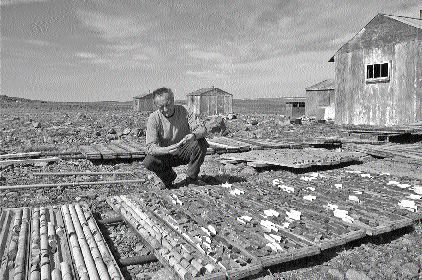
324	85
203	91
415	22
143	95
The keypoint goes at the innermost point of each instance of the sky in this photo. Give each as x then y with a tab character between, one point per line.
88	50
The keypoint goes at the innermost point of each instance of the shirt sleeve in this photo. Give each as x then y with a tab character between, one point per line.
196	126
151	134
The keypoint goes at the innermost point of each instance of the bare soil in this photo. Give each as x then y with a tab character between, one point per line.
63	127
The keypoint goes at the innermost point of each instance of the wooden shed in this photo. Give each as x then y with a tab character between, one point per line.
320	100
378	73
295	107
210	101
143	103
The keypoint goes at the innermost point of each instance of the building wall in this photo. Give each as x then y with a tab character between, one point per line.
210	104
317	101
387	103
143	104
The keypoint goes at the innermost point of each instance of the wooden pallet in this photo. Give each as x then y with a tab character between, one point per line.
294	159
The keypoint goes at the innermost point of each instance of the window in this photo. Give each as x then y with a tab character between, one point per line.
378	72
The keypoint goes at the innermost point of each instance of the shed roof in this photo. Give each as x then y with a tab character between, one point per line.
324	85
390	35
212	90
143	96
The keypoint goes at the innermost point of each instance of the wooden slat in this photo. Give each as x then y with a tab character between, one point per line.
20	155
90	152
121	153
106	153
27	161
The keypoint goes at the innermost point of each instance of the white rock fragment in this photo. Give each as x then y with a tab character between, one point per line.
365	175
357	192
307	179
403	186
354	171
226	185
343	214
271	213
338	186
241	221
287	189
408	205
212	229
276	182
294	214
246	218
354	198
415	196
417	189
207	232
309	197
331	206
393	183
236	192
310	188
385	174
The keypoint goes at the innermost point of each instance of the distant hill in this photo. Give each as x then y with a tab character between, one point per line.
11	99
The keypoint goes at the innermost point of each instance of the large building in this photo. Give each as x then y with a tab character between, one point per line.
378	73
143	103
210	101
320	100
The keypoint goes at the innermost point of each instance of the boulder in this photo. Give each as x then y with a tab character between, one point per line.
111	131
216	125
231	116
36	124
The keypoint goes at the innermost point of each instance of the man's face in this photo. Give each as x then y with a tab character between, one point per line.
165	103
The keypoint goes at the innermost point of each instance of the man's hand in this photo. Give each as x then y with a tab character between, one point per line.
173	149
190	137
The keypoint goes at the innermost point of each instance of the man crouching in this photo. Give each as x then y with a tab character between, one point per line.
173	138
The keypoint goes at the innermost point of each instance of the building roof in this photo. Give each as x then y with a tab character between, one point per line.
324	85
415	22
143	96
407	21
294	98
204	91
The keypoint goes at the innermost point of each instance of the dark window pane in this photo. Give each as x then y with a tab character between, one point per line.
384	70
301	104
377	70
369	71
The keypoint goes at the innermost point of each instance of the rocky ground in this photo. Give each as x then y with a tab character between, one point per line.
58	127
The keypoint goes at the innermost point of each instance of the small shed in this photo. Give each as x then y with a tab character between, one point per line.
210	101
378	73
295	107
143	103
320	100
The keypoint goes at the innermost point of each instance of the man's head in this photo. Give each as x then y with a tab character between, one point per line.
164	100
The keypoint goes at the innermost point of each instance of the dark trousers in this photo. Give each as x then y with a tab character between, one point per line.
192	153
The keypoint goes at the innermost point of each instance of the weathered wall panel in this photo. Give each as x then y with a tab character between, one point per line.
397	101
143	104
317	101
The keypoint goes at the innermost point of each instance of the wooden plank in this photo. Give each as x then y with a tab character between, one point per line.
28	161
135	153
121	153
90	152
20	155
106	153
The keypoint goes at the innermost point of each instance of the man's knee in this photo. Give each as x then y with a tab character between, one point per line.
203	145
149	162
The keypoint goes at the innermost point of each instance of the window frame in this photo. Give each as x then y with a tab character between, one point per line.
378	79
